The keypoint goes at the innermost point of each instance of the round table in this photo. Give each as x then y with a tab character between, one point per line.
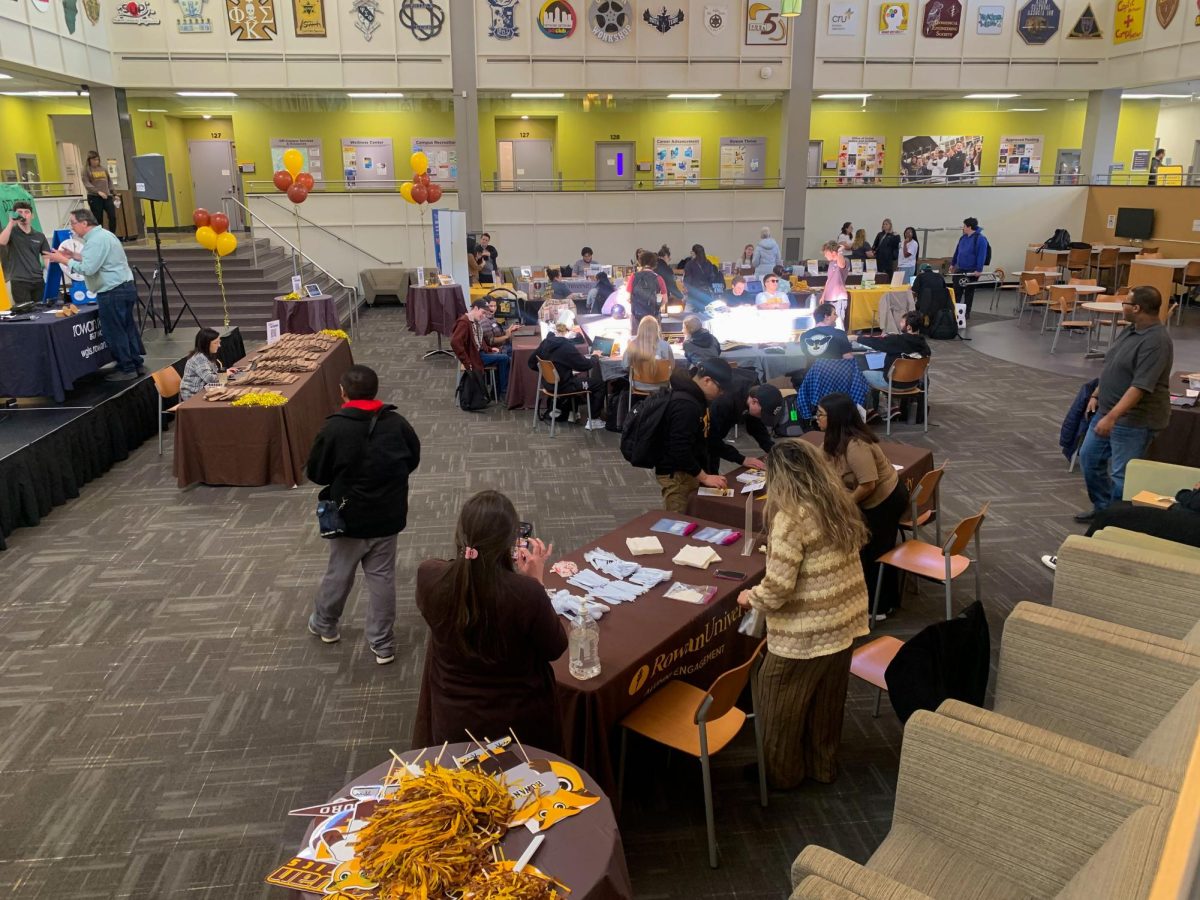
584	851
308	315
1103	308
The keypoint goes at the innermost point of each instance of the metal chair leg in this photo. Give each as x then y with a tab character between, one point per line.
878	698
925	395
948	582
978	567
708	800
537	401
160	430
889	405
878	591
1057	332
554	412
758	745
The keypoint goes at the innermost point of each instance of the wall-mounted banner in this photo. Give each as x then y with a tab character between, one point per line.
251	20
136	12
42	6
1129	21
663	20
843	18
191	20
1020	159
366	15
677	161
989	20
557	19
423	18
70	13
367	161
612	20
941	159
765	23
860	159
1164	11
1038	21
1087	26
503	26
941	18
310	17
743	161
715	19
443	158
310	153
92	9
893	18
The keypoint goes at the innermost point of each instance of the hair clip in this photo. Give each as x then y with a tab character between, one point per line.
470	553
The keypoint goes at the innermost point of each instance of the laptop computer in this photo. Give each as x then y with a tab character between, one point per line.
603	345
671	327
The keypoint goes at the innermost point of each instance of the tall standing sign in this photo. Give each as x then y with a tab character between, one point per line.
450	245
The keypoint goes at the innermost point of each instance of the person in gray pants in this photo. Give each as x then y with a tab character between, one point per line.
363	457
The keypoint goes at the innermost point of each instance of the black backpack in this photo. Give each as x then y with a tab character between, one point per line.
931	295
987	254
1060	240
639	437
472	392
643	296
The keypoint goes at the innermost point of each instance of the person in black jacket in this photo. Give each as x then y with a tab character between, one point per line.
683	435
886	250
663	267
756	410
571	366
908	342
363	456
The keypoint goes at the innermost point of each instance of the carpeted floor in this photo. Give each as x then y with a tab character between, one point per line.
162	707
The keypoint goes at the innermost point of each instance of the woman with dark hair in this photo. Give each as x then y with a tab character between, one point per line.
599	293
662	266
910	252
492	632
846	236
699	276
202	366
99	192
867	473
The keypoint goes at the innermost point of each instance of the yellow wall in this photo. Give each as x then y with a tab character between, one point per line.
25	128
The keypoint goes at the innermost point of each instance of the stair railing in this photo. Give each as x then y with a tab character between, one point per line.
337	237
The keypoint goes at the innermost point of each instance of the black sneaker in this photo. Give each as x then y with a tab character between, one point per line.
121	376
1085	516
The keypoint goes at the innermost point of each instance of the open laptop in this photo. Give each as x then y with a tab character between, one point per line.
672	328
603	345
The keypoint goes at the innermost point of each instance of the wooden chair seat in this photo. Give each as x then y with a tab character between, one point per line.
869	661
922	519
925	560
668	716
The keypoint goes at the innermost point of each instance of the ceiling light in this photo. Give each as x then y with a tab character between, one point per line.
205	94
206	117
1156	96
1027	109
523	118
387	95
990	96
790	8
3	76
692	96
538	96
152	110
41	94
843	96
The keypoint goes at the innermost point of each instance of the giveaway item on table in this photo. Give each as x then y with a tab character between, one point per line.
619	592
697	557
722	536
588	580
753	487
674	526
749	476
691	593
644	546
610	564
568	605
715	492
564	568
648	578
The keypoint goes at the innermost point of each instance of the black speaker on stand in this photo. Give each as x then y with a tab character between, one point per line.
150	184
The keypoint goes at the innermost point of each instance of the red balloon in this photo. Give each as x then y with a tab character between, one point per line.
283	179
420	193
435	193
423	178
200	217
219	222
297	193
305	180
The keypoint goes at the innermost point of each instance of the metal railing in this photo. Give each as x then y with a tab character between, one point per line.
50	188
298	257
337	237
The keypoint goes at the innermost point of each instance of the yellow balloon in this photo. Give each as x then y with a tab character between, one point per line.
419	162
206	237
226	243
406	191
293	161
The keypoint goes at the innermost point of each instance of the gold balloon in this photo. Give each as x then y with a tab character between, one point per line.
419	162
206	237
406	191
293	161
226	243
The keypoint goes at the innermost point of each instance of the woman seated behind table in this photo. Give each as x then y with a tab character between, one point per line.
873	484
202	366
772	296
492	632
558	309
699	343
815	603
648	344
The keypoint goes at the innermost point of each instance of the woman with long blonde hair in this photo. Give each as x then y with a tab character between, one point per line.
647	344
814	599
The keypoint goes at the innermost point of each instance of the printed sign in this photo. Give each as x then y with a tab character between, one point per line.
860	159
942	19
989	20
893	18
1129	21
423	18
251	20
191	21
556	19
310	17
272	331
366	17
715	18
677	161
503	26
941	159
612	20
1087	26
367	161
1020	158
843	19
1037	21
136	12
310	154
663	20
765	24
443	158
1141	161
1164	11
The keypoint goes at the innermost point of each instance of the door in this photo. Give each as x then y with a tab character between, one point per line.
27	171
816	151
1195	169
70	162
526	165
1066	167
214	177
615	165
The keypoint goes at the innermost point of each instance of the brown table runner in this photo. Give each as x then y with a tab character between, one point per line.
433	309
217	443
914	462
1179	442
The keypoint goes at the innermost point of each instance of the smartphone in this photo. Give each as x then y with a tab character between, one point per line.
524	533
730	574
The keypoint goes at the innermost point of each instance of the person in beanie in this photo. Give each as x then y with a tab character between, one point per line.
756	409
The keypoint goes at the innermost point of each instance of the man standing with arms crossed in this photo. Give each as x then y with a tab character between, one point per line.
25	262
106	271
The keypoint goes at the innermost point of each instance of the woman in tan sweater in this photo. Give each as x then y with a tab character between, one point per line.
815	602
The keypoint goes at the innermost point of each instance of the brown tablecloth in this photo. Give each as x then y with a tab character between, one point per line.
584	851
217	443
307	315
1179	442
522	381
433	309
731	511
649	642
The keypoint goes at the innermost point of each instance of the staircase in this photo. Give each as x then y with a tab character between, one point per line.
250	288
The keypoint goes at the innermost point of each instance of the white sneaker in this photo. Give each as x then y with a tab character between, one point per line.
1050	562
594	424
555	413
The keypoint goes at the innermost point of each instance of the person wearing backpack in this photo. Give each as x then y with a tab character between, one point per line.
971	257
646	288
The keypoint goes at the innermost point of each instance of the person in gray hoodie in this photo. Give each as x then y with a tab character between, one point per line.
766	253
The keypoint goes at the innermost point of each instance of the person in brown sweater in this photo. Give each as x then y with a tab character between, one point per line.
815	602
492	634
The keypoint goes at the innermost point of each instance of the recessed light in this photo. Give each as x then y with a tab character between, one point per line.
206	117
41	94
1156	96
538	96
990	96
692	96
152	110
205	94
1027	109
843	96
524	117
3	76
386	95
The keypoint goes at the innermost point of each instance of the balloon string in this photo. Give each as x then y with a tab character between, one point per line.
221	284
299	240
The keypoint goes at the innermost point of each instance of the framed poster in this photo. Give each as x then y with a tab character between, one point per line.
893	18
743	160
941	159
1129	21
1141	161
251	20
1020	159
368	163
941	19
860	159
677	161
443	158
765	24
310	150
1037	21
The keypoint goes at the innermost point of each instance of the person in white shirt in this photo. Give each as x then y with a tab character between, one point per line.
910	249
772	296
846	236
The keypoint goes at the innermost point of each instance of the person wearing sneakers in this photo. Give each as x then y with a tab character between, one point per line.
363	457
576	372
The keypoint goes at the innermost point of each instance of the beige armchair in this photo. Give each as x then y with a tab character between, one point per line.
1161	478
1146	542
385	283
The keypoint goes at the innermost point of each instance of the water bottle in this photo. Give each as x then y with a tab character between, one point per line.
584	646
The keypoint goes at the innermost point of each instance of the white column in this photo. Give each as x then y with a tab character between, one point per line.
466	113
793	158
1100	134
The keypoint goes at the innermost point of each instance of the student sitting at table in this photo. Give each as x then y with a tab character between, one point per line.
469	344
772	296
599	293
736	294
496	336
202	366
492	632
648	344
581	266
559	289
745	265
825	340
909	342
699	343
576	372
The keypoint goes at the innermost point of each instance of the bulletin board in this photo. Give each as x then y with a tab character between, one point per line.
443	158
1020	159
310	150
860	160
743	161
677	161
368	162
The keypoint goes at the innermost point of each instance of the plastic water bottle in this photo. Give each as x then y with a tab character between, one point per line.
584	646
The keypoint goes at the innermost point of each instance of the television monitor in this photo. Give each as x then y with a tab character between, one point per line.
1134	223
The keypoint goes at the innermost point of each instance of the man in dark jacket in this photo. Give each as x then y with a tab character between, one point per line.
909	342
683	435
363	456
756	410
571	365
886	250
